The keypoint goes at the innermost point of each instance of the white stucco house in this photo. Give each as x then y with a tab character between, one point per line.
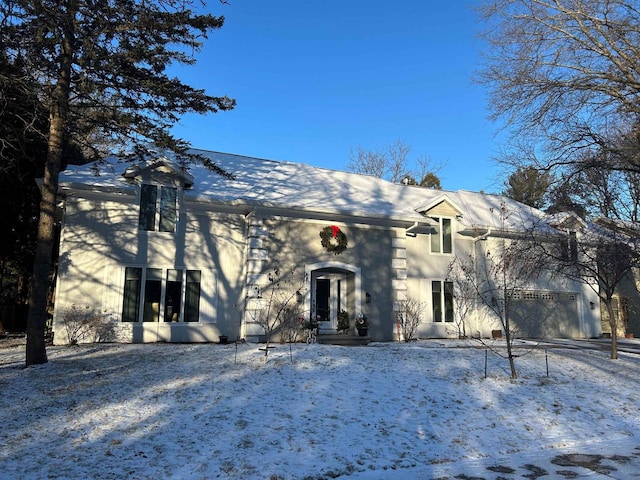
162	253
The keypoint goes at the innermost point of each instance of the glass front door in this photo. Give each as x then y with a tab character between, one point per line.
328	299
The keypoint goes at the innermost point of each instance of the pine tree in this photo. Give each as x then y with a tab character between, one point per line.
528	185
100	69
22	152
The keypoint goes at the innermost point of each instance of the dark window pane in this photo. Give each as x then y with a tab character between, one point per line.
148	195
448	301
131	303
573	245
436	301
435	238
172	296
446	236
564	249
168	209
192	299
152	295
323	293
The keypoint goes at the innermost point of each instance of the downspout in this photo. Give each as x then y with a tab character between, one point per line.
244	292
483	236
475	269
408	230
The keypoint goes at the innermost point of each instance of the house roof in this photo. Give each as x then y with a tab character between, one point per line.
285	184
616	229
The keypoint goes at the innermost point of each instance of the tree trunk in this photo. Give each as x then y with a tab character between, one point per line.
36	352
512	363
36	320
613	323
509	338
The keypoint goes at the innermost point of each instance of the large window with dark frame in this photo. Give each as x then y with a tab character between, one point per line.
155	294
442	238
442	301
158	207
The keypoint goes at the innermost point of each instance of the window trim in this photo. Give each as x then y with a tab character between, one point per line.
441	236
158	218
442	294
141	294
569	247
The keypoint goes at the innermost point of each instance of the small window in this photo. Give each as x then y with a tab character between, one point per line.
573	246
168	209
442	301
148	195
569	248
158	212
442	239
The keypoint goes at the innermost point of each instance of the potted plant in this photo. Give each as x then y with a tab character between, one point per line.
343	321
362	326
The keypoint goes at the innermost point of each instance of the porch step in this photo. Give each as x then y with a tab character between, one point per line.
346	340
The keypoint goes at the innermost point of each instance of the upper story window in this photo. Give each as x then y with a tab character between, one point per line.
569	247
442	239
158	208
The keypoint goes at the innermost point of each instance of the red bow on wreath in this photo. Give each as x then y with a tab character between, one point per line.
335	230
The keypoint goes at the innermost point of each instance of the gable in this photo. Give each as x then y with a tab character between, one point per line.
568	221
442	209
160	170
441	206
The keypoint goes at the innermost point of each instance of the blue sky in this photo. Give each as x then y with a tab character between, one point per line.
316	79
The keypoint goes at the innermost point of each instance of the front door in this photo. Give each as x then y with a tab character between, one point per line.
329	297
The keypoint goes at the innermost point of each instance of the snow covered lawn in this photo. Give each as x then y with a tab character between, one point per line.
419	410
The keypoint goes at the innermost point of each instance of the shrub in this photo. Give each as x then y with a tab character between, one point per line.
82	324
409	316
343	321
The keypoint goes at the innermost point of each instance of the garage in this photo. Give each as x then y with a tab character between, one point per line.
543	314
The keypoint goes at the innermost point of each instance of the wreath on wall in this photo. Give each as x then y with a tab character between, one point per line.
333	240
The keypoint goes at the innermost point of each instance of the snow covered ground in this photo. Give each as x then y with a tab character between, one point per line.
386	411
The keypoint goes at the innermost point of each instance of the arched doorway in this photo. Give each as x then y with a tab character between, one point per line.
333	287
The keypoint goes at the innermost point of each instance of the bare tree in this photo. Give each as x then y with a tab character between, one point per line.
279	309
392	163
564	73
604	257
464	295
504	263
606	192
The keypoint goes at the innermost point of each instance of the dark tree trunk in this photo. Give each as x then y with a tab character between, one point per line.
613	323
36	320
36	352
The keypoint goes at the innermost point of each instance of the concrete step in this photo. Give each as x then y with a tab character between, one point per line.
346	340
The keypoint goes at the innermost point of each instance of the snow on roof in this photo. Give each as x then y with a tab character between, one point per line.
296	185
566	219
